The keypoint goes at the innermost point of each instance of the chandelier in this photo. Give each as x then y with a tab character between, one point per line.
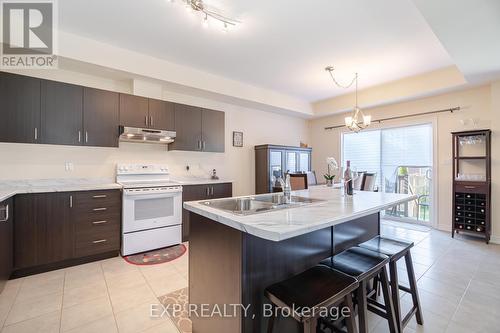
207	12
358	120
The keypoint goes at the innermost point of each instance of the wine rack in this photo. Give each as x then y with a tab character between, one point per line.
472	192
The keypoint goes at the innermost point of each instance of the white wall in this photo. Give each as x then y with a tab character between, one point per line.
482	103
26	161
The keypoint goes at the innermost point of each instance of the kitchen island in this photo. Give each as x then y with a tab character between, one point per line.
235	255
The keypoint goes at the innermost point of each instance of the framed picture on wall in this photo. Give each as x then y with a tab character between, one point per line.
238	139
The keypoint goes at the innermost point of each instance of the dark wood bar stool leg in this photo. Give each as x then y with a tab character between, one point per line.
391	318
362	307
413	288
351	320
393	271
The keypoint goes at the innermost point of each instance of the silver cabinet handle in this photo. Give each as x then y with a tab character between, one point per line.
79	136
99	196
208	191
469	187
86	136
212	190
203	145
100	241
146	120
199	145
70	201
99	209
36	133
151	121
100	222
6	210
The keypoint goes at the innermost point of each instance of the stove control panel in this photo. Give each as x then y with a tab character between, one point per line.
141	169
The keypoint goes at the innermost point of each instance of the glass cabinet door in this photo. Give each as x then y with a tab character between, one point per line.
275	166
291	162
304	162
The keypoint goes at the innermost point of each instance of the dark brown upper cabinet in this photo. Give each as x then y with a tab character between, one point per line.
198	129
19	108
161	115
101	116
62	113
134	111
212	130
187	128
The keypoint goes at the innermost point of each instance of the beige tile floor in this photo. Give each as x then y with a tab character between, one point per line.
459	283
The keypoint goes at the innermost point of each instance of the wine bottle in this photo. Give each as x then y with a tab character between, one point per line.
348	179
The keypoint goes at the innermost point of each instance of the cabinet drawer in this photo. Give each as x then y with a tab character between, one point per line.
99	225
99	240
97	199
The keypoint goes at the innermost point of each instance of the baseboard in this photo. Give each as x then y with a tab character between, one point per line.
495	239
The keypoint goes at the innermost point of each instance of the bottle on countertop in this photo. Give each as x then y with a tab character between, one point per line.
348	189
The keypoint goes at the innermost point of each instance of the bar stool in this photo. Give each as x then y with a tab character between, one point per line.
365	265
317	287
396	249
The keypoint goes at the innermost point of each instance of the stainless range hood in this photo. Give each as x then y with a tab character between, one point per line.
146	135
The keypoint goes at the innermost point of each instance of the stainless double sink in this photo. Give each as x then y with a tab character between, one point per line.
259	204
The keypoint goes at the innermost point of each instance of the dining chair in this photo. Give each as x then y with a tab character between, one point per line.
357	184
298	181
368	182
311	178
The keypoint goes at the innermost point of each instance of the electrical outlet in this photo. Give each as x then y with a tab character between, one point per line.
68	166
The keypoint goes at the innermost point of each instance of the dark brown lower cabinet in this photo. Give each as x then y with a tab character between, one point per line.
6	241
54	230
202	192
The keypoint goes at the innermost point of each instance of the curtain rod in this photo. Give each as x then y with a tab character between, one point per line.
457	108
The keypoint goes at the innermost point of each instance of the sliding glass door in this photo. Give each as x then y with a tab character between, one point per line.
401	158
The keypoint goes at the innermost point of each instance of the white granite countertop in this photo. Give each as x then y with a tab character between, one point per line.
287	223
198	180
13	187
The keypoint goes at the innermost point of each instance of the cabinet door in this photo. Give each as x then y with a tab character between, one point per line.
188	128
133	111
25	231
191	193
54	227
291	161
213	131
304	162
161	115
19	108
100	117
6	241
62	113
43	232
222	190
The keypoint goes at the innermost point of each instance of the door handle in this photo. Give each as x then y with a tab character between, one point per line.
150	120
203	145
146	121
79	136
100	222
199	144
6	210
99	209
86	136
99	196
208	191
100	241
36	133
212	190
470	187
70	201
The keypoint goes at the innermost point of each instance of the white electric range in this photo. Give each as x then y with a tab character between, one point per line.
152	208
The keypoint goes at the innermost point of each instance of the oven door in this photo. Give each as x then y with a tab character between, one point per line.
143	210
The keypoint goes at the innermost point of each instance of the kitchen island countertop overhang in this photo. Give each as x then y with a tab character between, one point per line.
332	208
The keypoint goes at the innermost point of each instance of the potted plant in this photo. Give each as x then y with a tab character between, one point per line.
332	164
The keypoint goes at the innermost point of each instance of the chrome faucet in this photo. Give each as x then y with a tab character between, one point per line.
287	188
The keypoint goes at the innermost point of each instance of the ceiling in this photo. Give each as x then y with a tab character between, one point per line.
279	46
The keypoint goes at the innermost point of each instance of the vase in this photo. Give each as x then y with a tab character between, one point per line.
329	182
